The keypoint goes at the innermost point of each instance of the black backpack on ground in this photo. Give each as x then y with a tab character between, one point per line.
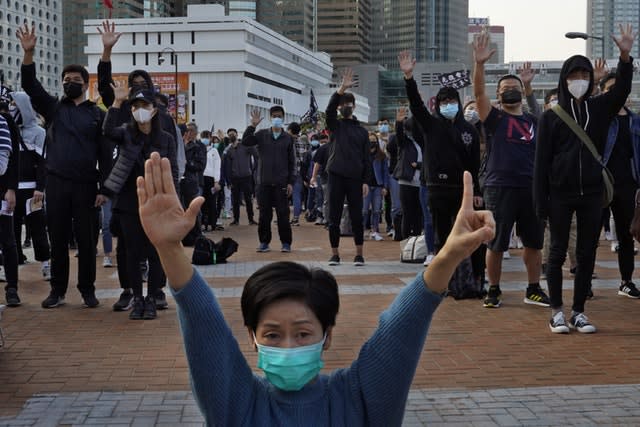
207	252
463	284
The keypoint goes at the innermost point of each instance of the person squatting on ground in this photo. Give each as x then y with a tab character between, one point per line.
348	166
568	178
75	146
136	140
508	176
289	311
275	175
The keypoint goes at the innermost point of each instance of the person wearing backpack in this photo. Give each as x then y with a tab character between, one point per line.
569	173
74	190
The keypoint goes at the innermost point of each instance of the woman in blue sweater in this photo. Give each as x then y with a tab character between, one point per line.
289	312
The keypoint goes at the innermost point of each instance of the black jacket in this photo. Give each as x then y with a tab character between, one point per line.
406	154
276	157
450	148
563	165
239	162
74	143
349	154
196	155
9	181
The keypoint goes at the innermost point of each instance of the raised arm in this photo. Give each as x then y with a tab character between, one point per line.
109	38
615	99
248	137
418	109
527	74
331	113
111	125
481	54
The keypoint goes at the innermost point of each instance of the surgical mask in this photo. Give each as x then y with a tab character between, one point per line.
277	122
205	141
315	143
142	115
577	88
511	96
290	369
471	116
346	111
553	102
383	128
449	111
216	145
72	90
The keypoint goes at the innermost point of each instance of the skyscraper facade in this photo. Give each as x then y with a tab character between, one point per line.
294	19
603	19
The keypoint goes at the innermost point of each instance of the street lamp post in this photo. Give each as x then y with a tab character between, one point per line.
174	58
585	36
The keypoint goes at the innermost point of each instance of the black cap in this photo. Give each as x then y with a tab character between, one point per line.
145	95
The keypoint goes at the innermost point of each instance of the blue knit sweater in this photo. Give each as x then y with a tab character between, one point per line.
371	392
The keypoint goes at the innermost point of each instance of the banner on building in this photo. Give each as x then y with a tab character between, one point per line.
455	79
164	83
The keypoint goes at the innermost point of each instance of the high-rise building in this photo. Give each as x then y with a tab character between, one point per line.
247	9
434	30
496	32
75	12
603	19
46	15
294	19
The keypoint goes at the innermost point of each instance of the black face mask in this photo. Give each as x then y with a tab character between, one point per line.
72	90
233	138
511	96
162	108
136	87
346	111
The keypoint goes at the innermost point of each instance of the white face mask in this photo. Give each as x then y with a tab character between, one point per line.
142	115
577	88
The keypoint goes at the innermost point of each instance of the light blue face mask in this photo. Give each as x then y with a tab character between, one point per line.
315	143
277	122
205	141
383	128
290	369
449	111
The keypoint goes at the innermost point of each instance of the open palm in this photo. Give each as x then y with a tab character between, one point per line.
108	33
482	48
27	37
627	36
164	220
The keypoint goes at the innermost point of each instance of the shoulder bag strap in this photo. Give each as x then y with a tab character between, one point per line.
580	133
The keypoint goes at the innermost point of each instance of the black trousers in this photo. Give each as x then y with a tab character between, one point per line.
67	201
242	186
209	206
340	187
444	204
121	250
139	249
412	222
622	207
189	191
270	197
35	222
588	211
9	251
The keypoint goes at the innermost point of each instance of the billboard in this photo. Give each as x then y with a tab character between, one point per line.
164	83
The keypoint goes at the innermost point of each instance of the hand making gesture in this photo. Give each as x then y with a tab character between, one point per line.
347	80
109	35
407	63
625	41
255	118
482	47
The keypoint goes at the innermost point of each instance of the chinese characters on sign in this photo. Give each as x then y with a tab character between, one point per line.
456	79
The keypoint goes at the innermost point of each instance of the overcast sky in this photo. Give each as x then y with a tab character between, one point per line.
534	29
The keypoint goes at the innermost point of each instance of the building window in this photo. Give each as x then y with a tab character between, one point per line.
193	37
171	37
133	60
133	39
193	58
193	89
146	58
193	107
159	38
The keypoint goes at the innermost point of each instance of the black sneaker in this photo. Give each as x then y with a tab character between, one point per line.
90	300
358	260
536	296
590	294
581	323
150	304
124	302
12	298
234	222
628	289
53	301
161	300
295	222
137	311
494	297
252	222
334	260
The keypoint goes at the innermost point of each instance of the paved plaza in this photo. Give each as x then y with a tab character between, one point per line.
481	367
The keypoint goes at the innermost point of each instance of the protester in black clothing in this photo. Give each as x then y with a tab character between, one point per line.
239	164
319	178
193	179
349	168
275	175
74	146
136	141
568	178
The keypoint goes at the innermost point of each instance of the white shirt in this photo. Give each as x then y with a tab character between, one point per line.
213	163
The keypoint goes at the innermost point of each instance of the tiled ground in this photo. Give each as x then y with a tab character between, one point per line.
479	366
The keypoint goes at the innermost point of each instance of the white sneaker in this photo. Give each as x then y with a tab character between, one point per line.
614	246
428	260
506	255
608	235
519	244
558	325
106	262
376	236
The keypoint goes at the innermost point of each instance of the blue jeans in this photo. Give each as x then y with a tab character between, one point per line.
373	201
298	187
426	216
394	189
107	238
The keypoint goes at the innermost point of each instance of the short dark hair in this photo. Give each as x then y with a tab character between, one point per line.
347	98
232	130
323	136
314	287
605	79
75	68
205	134
547	97
162	99
294	128
276	108
507	77
383	119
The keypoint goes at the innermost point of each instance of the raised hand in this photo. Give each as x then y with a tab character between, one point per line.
526	73
625	41
27	37
108	33
401	114
255	118
164	220
482	47
599	70
347	80
407	63
120	91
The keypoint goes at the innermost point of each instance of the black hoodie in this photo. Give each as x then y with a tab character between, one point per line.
564	167
450	147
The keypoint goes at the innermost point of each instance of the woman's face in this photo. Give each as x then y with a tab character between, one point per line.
289	323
